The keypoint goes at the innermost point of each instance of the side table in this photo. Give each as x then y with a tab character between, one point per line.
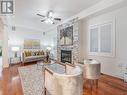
14	60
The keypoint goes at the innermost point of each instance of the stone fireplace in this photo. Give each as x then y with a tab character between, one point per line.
74	48
66	56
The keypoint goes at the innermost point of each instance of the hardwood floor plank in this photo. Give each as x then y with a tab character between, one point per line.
10	84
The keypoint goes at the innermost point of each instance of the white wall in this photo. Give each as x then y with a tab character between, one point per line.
4	42
5	56
16	38
50	39
111	66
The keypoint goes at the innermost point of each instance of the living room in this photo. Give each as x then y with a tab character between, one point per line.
86	32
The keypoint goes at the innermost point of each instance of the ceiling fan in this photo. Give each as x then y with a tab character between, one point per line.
49	18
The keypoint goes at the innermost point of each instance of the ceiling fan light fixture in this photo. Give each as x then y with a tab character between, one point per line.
49	21
50	14
48	18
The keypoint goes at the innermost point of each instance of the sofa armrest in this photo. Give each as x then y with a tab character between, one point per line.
48	70
49	79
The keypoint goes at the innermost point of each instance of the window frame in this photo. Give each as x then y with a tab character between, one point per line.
99	53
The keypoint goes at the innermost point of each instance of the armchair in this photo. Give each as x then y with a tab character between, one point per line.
68	83
93	71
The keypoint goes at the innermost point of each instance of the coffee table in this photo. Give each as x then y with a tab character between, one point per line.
43	64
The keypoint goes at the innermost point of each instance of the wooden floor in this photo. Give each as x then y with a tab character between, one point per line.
10	84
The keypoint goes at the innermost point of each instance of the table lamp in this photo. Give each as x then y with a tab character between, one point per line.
49	49
15	50
47	53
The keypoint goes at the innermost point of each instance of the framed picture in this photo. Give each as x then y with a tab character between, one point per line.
66	36
31	44
0	50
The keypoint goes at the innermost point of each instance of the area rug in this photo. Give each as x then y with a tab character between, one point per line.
31	80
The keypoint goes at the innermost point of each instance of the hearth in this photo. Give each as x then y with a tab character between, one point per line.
66	56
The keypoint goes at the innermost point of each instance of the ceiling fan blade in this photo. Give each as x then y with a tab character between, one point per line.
59	19
42	20
40	15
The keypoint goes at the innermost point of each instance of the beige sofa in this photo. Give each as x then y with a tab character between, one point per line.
32	55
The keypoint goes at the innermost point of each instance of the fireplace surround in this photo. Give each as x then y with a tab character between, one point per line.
66	56
75	46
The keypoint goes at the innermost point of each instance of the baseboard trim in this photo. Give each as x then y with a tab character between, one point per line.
112	76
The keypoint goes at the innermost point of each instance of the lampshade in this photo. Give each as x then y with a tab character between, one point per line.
48	48
15	48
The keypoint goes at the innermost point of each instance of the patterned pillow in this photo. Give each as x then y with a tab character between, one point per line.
28	53
33	53
42	52
25	53
37	52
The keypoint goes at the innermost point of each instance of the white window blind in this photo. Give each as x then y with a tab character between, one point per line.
105	38
102	39
94	40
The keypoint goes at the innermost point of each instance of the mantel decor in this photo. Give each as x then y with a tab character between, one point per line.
66	36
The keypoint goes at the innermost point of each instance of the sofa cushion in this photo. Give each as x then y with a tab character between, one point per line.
27	53
33	57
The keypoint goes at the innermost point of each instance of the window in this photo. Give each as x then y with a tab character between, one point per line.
102	39
105	38
94	39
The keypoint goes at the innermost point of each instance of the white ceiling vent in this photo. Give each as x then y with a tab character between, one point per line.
13	28
44	33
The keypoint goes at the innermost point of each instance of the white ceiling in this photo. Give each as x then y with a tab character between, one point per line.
26	10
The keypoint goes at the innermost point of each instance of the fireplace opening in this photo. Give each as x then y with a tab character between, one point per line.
66	56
